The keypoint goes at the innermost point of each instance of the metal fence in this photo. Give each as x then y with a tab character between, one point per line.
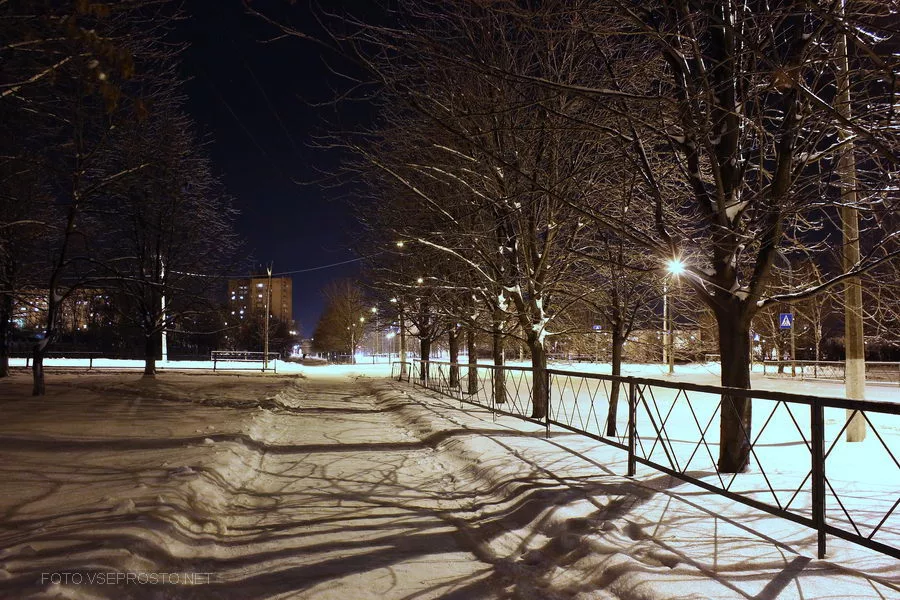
801	467
227	360
876	372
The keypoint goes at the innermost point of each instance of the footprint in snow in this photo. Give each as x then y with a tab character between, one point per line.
183	472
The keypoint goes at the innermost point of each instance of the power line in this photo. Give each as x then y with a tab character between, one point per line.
306	270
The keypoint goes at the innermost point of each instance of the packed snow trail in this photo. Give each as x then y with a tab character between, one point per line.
312	492
334	486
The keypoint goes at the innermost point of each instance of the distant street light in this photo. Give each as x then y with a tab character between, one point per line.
268	299
675	267
377	343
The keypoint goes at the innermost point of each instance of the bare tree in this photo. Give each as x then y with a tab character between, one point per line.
174	227
343	321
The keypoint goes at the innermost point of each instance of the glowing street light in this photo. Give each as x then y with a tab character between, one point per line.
674	267
377	341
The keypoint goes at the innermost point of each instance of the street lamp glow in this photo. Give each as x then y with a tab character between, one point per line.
420	280
675	266
374	309
394	300
362	319
400	244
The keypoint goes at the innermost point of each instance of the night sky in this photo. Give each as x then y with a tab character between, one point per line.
253	102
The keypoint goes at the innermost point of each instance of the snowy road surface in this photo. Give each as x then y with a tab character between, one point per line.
334	486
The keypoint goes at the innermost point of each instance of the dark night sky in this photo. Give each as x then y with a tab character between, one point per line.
252	101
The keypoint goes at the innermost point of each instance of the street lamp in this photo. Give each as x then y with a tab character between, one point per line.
674	267
377	342
268	299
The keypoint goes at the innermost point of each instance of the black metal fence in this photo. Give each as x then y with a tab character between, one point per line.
876	372
801	466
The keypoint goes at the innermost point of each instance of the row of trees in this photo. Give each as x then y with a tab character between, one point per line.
105	182
536	161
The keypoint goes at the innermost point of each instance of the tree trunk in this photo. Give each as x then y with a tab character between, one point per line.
453	342
151	353
618	342
736	412
37	371
402	343
473	361
5	316
499	374
425	355
540	391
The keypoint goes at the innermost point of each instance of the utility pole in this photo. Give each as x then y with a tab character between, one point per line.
266	335
854	344
162	276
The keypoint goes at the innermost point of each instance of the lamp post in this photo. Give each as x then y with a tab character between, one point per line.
676	268
377	342
402	349
268	300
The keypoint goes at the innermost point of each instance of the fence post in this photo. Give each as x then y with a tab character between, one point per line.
494	394
632	428
817	425
214	364
90	362
549	395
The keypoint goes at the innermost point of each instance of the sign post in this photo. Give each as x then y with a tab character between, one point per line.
597	329
786	321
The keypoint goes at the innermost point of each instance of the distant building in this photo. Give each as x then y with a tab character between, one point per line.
247	298
81	310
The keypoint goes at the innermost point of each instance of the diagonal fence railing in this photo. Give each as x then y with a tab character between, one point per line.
801	466
877	372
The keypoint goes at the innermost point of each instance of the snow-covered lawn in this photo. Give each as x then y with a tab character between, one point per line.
333	482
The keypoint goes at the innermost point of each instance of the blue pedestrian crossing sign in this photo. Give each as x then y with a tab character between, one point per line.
786	320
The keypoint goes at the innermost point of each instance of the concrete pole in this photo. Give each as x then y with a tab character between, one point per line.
665	323
854	344
669	340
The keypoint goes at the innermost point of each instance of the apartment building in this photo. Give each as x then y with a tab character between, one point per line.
247	298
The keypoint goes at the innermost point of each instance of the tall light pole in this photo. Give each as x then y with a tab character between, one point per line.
676	268
402	349
377	341
266	335
854	342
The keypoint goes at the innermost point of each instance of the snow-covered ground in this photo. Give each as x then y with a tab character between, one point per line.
332	482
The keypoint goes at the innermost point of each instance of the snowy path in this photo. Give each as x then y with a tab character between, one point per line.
313	496
340	487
